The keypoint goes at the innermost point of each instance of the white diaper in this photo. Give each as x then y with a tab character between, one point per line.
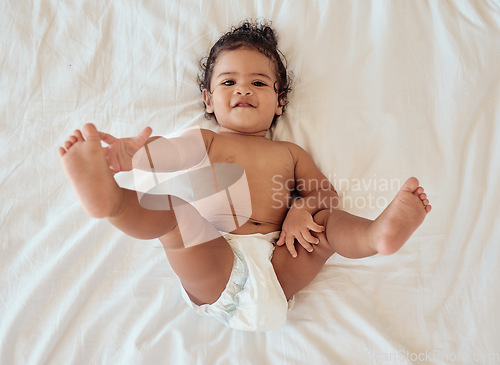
253	299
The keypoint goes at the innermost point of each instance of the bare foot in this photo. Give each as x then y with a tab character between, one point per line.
401	218
85	164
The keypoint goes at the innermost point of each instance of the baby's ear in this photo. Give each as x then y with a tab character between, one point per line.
208	101
279	106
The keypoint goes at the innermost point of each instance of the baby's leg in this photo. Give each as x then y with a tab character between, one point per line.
356	237
353	237
203	268
85	164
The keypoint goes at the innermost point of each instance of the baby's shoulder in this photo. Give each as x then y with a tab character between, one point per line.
195	132
208	137
295	150
207	133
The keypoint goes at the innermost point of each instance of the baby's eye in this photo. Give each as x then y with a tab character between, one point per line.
228	83
259	83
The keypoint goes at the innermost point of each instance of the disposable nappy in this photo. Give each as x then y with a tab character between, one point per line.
253	299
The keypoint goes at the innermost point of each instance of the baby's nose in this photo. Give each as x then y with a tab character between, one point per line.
243	90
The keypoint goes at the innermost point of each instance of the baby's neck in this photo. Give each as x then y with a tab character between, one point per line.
231	132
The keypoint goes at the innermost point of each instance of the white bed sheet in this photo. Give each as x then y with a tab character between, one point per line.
383	90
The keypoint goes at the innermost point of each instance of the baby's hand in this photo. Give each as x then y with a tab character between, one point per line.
297	226
120	151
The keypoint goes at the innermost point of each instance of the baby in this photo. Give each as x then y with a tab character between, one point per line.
245	276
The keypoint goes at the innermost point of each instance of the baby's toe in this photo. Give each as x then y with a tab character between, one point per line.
410	185
91	132
78	134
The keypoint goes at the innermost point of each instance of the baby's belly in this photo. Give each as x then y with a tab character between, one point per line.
235	213
232	203
229	216
256	226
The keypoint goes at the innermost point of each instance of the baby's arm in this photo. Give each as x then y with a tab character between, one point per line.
174	154
316	193
156	153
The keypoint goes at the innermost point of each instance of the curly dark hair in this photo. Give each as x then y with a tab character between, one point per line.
253	35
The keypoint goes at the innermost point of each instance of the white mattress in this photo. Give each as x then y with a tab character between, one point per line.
383	90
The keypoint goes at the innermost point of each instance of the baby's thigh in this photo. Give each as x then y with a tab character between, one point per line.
295	273
200	256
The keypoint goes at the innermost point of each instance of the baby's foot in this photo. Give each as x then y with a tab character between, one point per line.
85	164
401	218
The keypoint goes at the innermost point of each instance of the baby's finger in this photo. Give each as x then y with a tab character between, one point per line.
290	245
313	226
309	237
281	240
112	162
142	137
106	138
304	243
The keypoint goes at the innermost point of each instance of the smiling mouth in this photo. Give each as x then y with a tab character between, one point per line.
244	105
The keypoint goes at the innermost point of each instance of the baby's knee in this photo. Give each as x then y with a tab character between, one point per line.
321	218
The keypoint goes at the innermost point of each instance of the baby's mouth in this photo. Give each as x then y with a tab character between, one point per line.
244	105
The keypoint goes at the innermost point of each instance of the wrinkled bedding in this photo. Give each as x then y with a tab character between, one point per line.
383	90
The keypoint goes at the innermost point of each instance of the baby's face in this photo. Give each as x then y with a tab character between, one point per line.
243	97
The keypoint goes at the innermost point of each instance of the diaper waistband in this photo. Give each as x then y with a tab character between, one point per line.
270	237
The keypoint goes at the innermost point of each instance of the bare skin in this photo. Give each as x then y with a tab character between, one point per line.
350	236
312	229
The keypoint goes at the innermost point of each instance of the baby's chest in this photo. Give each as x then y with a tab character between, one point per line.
263	164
